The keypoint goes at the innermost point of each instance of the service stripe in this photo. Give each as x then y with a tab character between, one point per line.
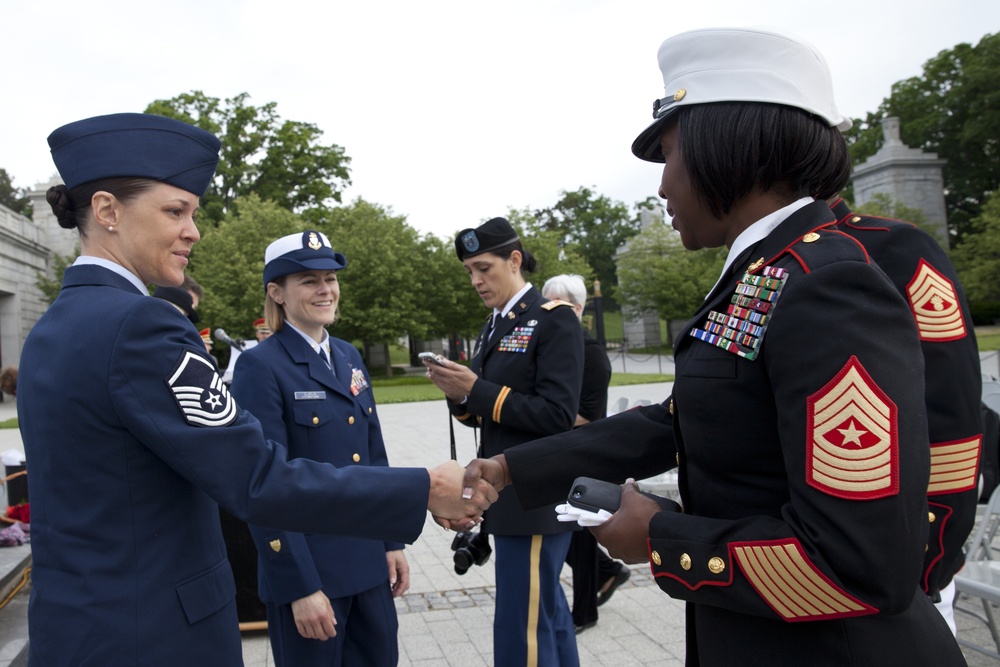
498	405
954	466
784	577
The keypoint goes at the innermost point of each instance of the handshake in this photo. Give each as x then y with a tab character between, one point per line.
459	496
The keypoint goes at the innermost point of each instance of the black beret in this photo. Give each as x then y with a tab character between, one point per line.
492	234
135	145
180	298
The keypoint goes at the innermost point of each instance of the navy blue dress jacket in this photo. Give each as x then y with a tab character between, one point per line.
321	415
131	440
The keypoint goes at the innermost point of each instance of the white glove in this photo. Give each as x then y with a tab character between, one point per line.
583	517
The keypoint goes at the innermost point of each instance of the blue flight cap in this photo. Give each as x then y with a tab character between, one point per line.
492	234
135	145
306	251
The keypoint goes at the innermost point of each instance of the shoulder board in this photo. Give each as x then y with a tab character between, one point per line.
826	246
556	302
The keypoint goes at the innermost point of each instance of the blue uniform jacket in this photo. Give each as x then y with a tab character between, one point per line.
131	439
319	416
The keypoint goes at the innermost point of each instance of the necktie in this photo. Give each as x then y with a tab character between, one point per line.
322	355
493	325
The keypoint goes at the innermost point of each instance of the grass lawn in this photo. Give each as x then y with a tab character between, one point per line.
410	388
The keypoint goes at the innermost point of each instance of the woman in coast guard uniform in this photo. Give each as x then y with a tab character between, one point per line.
311	392
797	418
523	382
132	439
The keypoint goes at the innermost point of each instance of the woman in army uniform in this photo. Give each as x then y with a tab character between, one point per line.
523	382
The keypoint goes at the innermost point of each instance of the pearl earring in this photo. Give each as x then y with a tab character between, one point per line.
111	228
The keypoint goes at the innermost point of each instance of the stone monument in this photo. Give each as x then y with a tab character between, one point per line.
909	176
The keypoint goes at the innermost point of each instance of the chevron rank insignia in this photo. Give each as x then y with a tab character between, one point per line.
852	437
741	328
935	306
200	393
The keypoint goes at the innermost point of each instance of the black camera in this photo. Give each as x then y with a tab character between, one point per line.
471	548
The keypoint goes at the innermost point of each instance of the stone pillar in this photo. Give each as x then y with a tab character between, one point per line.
909	176
642	329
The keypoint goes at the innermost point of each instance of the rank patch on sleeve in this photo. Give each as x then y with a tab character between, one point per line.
935	307
792	585
852	437
200	392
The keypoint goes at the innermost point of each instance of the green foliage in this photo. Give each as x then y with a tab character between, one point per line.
882	205
50	286
229	263
14	198
593	226
282	161
984	313
977	258
952	109
452	305
381	294
658	273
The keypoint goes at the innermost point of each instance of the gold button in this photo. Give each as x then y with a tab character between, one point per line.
275	546
716	565
856	218
369	410
931	517
685	562
811	237
655	557
350	420
356	457
677	457
671	406
315	420
679	95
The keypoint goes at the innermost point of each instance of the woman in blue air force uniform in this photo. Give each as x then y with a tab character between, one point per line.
312	393
132	438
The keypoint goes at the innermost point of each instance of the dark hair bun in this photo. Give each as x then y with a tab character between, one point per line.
58	198
528	262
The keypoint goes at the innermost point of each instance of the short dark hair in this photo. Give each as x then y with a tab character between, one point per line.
732	148
193	286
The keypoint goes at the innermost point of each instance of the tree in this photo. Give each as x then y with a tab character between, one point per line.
657	273
381	288
882	205
229	263
282	161
977	260
594	225
50	287
952	109
13	198
552	255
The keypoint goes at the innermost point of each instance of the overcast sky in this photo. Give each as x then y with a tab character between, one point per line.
452	112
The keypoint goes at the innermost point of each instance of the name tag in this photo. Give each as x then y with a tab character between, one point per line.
310	395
